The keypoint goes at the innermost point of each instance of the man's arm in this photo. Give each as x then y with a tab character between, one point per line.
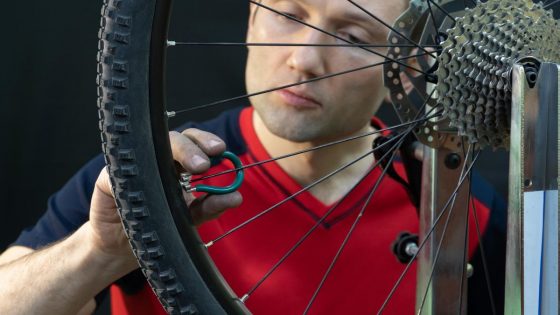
59	279
16	252
63	277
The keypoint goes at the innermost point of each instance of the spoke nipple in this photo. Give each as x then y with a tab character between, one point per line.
244	298
209	244
411	249
171	43
170	114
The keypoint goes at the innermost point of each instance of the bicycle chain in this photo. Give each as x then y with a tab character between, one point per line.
475	64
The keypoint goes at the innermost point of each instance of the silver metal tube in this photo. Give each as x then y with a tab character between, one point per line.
438	183
532	247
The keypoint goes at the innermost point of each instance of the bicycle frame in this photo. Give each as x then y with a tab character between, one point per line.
532	260
440	262
532	249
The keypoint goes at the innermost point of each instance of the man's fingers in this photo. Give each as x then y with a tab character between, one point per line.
191	150
209	143
103	207
212	206
103	183
188	154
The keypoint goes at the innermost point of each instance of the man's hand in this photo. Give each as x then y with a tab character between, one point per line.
66	275
191	149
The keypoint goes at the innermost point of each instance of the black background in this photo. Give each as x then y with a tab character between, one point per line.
48	107
48	92
49	126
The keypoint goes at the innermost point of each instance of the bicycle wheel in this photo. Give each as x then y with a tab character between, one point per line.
134	125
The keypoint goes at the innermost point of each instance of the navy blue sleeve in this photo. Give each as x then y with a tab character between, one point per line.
66	210
226	126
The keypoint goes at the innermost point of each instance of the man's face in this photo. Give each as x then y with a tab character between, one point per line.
324	109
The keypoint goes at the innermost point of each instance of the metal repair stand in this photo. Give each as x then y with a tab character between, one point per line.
533	222
532	248
440	278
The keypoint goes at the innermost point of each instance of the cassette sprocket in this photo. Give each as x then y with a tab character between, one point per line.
474	73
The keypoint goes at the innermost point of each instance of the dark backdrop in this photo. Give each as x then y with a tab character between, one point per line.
48	91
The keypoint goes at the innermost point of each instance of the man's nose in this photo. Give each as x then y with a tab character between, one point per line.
309	60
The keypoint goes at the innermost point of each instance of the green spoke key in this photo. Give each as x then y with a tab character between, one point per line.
185	179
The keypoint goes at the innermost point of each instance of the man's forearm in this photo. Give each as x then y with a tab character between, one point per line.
59	279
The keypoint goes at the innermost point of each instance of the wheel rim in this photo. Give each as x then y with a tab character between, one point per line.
169	180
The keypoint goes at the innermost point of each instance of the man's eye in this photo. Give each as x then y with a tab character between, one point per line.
357	40
354	39
289	16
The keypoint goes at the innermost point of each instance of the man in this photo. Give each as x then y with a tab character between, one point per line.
66	275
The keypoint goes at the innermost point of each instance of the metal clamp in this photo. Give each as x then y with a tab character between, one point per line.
185	179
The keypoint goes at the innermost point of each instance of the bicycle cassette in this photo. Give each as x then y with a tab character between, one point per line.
474	72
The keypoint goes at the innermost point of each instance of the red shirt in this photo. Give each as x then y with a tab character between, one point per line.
364	273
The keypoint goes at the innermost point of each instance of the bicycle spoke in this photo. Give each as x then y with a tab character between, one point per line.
327	214
354	224
318	147
306	235
175	43
390	27
465	246
436	258
471	205
466	240
443	10
551	4
483	257
419	24
332	34
306	188
390	151
425	240
432	17
174	113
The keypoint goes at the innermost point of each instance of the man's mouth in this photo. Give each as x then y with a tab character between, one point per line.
298	99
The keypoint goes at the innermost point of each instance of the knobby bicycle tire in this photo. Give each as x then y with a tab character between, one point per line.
135	142
133	123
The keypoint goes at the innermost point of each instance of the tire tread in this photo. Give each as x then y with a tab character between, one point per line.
114	123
